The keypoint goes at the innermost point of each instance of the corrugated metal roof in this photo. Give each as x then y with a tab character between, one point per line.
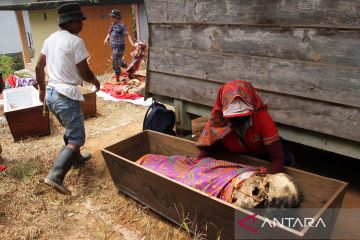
40	5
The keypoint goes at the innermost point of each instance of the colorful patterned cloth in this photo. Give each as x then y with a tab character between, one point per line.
117	59
15	81
250	136
117	42
214	177
27	81
137	55
117	35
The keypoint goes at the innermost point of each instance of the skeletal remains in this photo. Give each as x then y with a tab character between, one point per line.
269	191
242	185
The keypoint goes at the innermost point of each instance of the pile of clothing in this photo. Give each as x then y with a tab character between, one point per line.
127	89
15	81
137	56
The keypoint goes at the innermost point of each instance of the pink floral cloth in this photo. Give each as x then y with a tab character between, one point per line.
214	177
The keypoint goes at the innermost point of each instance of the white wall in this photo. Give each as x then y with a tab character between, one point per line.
10	41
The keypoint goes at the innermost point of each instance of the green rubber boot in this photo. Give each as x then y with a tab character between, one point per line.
62	165
81	159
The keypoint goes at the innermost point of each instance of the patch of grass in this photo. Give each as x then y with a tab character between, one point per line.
191	227
103	232
22	171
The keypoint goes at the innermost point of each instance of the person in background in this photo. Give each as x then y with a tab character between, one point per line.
240	123
65	56
2	82
117	34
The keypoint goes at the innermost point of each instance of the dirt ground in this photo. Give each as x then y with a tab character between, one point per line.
31	210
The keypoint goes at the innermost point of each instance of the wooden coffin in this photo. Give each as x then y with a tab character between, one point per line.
24	113
88	106
182	204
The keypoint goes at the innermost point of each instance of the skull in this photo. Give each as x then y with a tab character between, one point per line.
268	190
252	192
283	192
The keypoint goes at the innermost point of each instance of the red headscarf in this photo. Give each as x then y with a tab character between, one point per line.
217	126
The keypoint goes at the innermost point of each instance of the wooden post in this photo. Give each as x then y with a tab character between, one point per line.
25	51
136	11
183	120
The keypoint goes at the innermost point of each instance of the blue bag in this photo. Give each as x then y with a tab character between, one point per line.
159	119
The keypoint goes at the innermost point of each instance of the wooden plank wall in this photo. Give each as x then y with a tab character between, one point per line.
302	55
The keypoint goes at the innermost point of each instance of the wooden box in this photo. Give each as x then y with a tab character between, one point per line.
180	203
88	106
24	113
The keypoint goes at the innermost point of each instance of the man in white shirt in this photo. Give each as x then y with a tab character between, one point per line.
65	56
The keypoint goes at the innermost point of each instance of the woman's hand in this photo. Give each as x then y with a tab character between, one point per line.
276	153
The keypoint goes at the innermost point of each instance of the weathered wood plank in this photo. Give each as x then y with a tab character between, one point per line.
320	141
324	82
319	13
88	106
183	88
183	120
332	119
170	145
139	140
28	122
322	117
298	135
315	45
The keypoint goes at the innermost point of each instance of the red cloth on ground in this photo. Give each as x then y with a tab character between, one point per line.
123	74
2	168
11	80
116	91
131	96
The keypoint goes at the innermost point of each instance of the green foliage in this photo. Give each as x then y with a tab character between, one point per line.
18	61
10	63
7	65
